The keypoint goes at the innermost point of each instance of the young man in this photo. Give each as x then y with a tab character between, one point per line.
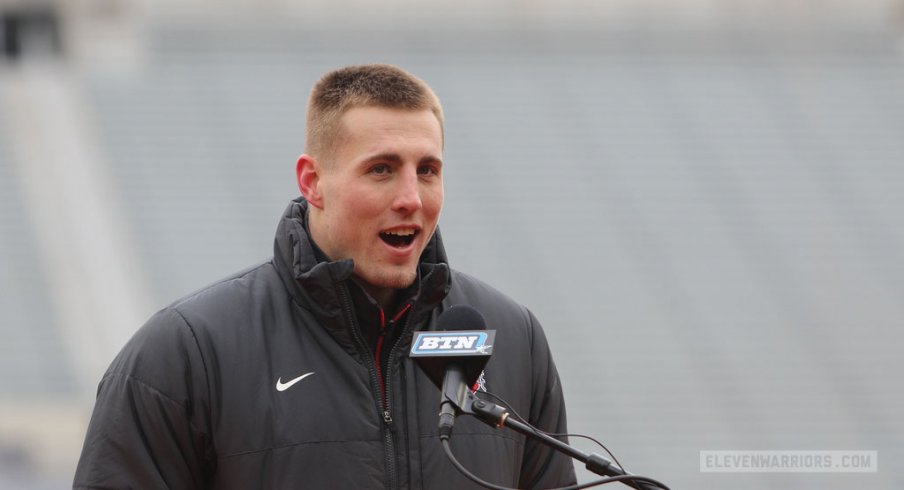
295	374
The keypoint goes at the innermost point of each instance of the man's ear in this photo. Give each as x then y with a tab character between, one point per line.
307	175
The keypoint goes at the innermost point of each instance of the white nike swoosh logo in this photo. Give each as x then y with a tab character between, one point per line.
280	386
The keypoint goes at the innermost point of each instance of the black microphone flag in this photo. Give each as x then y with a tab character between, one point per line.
460	338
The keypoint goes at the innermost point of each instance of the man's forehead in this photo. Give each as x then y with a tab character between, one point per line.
377	114
374	122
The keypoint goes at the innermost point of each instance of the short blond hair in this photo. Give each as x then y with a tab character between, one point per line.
374	85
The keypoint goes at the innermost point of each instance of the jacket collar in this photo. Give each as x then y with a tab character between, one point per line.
321	287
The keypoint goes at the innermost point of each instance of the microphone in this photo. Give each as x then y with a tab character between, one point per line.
453	358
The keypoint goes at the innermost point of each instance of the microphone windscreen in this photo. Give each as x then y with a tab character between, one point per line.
459	337
460	317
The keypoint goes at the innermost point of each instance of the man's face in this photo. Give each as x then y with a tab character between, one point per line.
381	193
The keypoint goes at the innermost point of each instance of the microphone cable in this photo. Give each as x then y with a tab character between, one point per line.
627	479
476	479
521	419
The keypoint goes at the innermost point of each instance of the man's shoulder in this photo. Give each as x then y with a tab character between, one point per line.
214	311
228	288
498	308
465	284
216	306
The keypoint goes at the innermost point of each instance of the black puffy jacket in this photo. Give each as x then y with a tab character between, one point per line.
211	392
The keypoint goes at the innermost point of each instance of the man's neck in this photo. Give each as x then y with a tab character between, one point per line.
385	297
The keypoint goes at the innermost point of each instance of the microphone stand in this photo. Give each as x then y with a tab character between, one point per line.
497	416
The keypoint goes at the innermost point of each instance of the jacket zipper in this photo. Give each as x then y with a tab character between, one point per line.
384	386
377	383
383	399
381	336
387	398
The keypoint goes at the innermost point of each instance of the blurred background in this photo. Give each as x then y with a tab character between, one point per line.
701	200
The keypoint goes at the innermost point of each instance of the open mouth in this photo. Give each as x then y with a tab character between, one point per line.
399	238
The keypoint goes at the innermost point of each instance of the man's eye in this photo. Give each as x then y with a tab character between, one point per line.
380	169
427	170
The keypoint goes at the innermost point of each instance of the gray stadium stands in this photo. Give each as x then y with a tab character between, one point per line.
30	331
708	224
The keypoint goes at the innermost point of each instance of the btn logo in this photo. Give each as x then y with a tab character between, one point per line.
439	343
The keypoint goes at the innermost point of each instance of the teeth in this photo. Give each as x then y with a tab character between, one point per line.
405	232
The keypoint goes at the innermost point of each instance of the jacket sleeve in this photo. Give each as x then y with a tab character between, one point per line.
544	467
148	429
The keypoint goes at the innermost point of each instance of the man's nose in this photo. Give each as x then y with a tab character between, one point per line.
408	192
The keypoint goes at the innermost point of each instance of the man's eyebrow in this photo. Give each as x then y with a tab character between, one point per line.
395	158
384	157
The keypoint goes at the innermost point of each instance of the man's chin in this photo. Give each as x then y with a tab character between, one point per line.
389	279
